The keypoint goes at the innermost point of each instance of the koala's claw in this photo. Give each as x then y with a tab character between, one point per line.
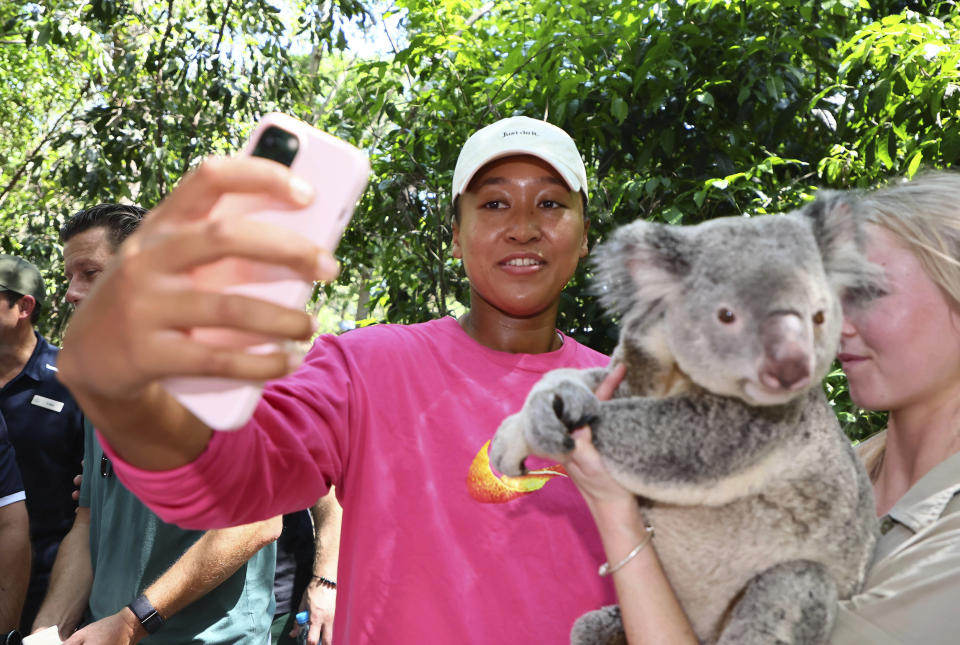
554	412
509	449
557	405
567	420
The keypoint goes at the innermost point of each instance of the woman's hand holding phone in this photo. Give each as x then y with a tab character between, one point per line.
338	173
132	330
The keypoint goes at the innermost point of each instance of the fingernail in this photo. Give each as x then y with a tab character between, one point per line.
294	360
302	191
328	266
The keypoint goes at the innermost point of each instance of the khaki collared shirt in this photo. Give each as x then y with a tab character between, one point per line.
912	592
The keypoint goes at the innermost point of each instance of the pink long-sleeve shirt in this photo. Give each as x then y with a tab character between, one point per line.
394	416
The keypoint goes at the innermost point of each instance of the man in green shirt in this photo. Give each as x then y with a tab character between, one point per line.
140	577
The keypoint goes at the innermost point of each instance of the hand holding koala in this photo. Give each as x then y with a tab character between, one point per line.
764	515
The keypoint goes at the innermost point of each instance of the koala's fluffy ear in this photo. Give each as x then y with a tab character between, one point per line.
640	264
839	231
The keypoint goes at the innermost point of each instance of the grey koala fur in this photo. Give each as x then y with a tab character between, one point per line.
764	516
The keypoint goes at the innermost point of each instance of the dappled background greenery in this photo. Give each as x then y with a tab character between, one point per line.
684	111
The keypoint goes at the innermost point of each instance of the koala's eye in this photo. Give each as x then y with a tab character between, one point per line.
726	316
818	318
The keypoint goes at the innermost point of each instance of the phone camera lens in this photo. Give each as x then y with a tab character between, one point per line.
277	144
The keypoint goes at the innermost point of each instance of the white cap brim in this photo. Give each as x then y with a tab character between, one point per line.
520	135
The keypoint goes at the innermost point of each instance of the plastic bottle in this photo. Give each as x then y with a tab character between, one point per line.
303	621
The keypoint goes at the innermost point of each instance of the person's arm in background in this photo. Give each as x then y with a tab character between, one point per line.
70	580
15	549
208	562
77	482
14	563
320	598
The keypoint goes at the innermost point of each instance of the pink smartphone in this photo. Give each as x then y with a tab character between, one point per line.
338	172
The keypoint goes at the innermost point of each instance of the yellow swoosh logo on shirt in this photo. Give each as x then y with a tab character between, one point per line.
486	487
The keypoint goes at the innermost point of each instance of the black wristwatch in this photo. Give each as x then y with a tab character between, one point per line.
13	638
149	617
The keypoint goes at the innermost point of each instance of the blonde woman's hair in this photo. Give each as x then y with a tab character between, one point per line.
925	214
871	452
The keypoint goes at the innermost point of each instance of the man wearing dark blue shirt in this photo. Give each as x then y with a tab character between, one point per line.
43	421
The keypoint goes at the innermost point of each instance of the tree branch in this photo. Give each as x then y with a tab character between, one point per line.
32	157
195	121
158	133
477	15
223	24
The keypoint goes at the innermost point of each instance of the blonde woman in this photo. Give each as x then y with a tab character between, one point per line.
901	353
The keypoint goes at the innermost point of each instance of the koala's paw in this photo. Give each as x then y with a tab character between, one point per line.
558	404
601	627
554	409
795	599
509	448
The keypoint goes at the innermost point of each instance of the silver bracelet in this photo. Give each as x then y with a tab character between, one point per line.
606	569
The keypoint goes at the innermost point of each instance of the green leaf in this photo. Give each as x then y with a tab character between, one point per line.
667	141
878	97
892	152
914	164
950	146
619	109
935	102
772	87
883	148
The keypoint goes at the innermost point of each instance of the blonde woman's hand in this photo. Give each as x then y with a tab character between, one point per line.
586	467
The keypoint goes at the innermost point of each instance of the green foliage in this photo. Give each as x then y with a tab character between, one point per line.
858	424
116	100
683	111
900	83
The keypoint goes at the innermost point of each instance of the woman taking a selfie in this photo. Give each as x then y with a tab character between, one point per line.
392	415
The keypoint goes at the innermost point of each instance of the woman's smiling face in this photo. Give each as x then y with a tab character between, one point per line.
520	233
904	347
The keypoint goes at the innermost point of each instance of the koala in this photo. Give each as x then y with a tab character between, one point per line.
764	516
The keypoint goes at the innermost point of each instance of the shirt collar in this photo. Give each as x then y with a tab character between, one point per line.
43	360
926	500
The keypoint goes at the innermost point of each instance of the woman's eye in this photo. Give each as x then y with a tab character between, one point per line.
493	203
549	203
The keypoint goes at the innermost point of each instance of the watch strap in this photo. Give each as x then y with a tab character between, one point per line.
149	617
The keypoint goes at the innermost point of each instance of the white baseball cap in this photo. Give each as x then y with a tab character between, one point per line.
520	135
